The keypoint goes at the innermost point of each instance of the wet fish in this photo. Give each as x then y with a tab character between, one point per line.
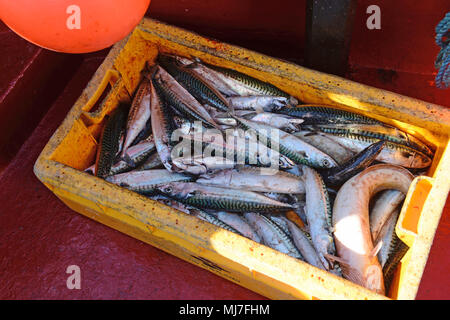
258	102
282	224
246	85
392	153
211	76
272	235
139	113
352	235
251	178
335	150
236	221
304	244
153	162
386	236
109	140
376	131
338	175
319	114
198	165
397	250
318	215
162	128
205	216
178	97
208	197
199	87
289	145
148	180
383	208
137	154
282	122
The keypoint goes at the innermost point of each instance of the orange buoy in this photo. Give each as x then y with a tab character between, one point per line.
73	26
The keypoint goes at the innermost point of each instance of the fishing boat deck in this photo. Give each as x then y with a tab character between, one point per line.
40	237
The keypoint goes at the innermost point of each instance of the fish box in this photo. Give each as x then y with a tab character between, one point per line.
72	148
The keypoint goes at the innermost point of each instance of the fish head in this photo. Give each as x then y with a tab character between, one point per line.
177	191
327	162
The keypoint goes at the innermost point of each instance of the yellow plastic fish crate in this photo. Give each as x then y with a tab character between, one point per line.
266	271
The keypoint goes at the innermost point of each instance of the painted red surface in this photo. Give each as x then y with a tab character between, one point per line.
40	236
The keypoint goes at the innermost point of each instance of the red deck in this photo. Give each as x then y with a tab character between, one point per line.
40	236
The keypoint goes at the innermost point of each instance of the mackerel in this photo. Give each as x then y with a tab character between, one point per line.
327	145
238	222
153	162
109	141
318	214
199	87
319	114
205	216
246	85
377	131
200	165
383	208
303	244
251	178
211	76
139	113
178	97
289	145
258	103
391	153
162	127
279	121
272	235
148	180
208	197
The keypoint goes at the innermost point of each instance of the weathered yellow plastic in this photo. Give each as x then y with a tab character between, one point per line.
270	273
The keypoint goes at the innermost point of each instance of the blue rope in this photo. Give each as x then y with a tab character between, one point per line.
443	59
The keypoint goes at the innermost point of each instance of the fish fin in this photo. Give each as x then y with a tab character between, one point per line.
352	274
333	258
128	160
376	249
348	271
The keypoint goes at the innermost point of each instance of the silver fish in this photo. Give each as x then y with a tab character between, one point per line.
303	244
272	235
290	146
318	214
180	98
198	165
279	121
258	103
384	206
146	181
251	178
139	113
325	144
162	128
208	197
239	223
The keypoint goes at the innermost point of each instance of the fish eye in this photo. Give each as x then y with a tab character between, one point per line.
210	171
168	189
326	163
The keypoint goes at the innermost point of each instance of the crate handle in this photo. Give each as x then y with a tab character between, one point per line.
412	213
111	77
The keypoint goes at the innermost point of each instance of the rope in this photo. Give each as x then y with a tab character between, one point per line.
443	59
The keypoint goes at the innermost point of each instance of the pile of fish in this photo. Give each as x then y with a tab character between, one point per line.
317	183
